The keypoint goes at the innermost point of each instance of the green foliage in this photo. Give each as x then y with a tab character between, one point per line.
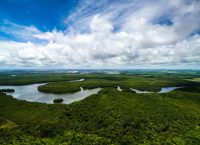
132	118
70	87
196	79
67	138
141	83
60	87
194	89
7	90
22	79
58	100
109	117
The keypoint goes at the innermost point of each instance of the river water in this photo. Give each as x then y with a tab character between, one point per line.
31	93
163	90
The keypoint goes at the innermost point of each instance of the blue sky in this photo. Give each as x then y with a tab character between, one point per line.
99	34
43	14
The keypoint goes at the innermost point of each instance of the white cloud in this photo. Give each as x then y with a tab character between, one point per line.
22	32
114	35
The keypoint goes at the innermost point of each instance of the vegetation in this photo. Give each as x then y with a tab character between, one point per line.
70	87
196	79
58	100
109	117
7	90
124	81
23	79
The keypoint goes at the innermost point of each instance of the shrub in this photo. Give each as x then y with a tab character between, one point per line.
7	90
58	100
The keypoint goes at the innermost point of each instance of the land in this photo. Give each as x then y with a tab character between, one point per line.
58	100
7	90
109	117
197	79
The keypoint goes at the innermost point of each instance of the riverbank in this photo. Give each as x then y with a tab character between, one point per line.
109	117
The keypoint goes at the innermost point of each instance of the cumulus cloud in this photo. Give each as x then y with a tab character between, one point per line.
104	34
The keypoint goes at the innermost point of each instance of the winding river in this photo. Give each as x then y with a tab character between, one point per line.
31	93
163	90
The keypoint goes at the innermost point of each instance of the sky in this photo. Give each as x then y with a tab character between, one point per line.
125	34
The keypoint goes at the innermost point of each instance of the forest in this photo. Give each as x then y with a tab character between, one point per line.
111	117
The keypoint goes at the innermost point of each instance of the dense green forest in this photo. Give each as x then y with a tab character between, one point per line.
109	117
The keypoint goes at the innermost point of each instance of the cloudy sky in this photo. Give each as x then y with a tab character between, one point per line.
100	34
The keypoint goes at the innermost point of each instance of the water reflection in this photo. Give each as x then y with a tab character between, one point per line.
163	90
31	93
